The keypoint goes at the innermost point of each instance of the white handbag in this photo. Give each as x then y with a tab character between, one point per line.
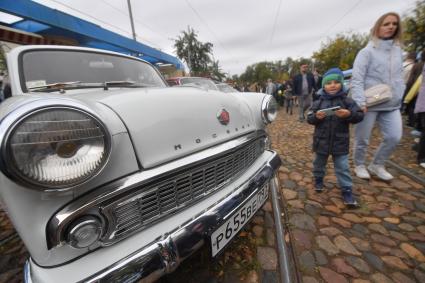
378	94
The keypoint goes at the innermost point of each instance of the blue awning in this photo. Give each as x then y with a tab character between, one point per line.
49	22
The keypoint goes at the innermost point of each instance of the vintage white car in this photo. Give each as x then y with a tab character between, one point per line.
108	175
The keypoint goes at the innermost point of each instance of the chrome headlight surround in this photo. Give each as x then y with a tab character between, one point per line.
14	121
268	109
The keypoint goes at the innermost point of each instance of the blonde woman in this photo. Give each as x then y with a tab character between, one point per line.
380	62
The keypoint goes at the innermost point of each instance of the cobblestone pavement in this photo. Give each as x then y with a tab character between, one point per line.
382	241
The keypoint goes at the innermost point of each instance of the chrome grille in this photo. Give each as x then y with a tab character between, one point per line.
160	199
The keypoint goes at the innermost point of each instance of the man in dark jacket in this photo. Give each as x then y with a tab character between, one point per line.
331	132
304	86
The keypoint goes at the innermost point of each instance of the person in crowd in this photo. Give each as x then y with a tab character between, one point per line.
236	86
1	86
271	87
331	132
420	111
280	93
317	83
408	65
289	96
409	104
380	62
303	84
253	87
6	90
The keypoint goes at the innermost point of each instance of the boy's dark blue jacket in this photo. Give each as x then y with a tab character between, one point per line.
332	134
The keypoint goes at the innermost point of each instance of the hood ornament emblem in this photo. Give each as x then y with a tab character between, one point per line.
223	117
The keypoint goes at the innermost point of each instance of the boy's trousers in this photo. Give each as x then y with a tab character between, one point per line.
342	168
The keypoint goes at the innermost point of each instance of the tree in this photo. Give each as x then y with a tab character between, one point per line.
2	59
215	71
195	53
339	52
414	28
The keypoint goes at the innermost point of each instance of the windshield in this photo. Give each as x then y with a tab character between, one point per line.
206	83
49	67
226	88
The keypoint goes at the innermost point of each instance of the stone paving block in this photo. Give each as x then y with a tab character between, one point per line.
326	245
342	267
380	278
345	245
267	258
270	277
399	277
331	276
307	262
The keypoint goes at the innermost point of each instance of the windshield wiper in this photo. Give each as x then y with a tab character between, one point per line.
61	86
55	86
123	84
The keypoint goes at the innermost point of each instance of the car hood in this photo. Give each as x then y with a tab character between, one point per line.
168	123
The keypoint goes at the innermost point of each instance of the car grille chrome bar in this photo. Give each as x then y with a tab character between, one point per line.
131	213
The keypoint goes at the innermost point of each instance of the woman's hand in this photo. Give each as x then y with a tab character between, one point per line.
364	109
342	113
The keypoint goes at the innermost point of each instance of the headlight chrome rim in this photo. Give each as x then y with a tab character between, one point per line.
267	104
11	122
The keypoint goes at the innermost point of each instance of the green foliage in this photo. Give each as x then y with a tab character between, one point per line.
2	60
339	51
277	71
215	71
414	28
195	53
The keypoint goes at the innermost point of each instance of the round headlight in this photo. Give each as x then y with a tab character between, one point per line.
56	147
269	109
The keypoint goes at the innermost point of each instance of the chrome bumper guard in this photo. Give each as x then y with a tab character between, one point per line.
162	257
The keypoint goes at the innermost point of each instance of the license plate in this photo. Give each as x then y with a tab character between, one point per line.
222	236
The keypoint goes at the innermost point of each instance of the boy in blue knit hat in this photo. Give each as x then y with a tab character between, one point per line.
331	116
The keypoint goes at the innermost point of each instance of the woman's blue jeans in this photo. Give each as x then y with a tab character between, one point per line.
341	165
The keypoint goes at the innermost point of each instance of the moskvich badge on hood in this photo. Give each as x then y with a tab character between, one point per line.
223	116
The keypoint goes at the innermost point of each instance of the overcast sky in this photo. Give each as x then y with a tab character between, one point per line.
243	31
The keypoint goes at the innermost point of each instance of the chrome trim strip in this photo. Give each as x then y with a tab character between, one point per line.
264	108
11	120
150	263
27	272
92	202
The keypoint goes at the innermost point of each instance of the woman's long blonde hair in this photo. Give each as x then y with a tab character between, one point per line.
398	33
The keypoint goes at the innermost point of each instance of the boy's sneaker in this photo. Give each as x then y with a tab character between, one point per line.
380	172
318	185
361	172
348	198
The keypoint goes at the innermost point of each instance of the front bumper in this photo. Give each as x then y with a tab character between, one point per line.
163	256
